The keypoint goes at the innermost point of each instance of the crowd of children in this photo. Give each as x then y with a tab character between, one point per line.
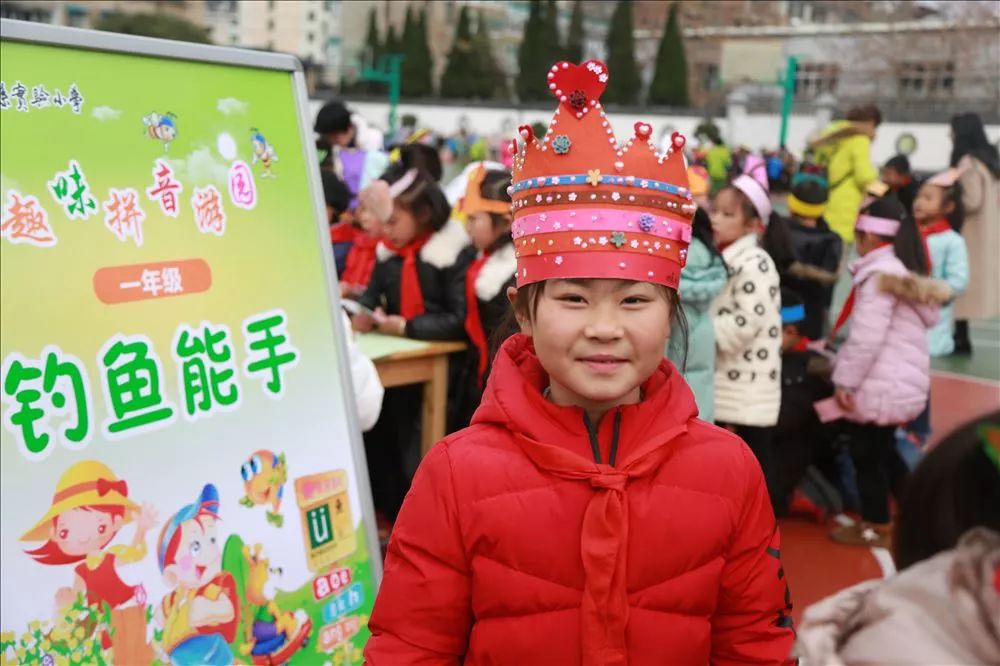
569	303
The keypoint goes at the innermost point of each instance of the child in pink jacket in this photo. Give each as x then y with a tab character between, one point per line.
882	371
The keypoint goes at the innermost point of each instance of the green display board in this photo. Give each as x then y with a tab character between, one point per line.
181	475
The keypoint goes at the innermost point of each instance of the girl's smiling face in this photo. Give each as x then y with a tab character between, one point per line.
84	531
730	221
598	339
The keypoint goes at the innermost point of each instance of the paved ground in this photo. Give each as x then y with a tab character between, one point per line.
962	388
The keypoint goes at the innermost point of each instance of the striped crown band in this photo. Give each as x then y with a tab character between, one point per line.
594	178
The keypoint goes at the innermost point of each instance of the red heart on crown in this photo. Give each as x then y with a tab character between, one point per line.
578	87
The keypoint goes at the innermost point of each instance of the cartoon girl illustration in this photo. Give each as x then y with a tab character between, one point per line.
263	152
89	508
162	128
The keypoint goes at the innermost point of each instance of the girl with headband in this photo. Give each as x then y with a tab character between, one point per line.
748	316
882	371
416	290
587	516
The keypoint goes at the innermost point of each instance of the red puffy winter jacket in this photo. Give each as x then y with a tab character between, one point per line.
515	547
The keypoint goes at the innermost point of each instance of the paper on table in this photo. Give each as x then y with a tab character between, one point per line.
376	345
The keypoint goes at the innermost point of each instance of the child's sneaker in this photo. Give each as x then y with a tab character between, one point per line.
863	534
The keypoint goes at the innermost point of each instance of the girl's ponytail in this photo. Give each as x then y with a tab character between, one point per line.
777	242
909	247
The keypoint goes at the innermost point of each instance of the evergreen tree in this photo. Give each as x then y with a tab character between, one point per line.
459	80
416	79
408	48
550	34
491	79
575	36
670	83
373	45
159	25
426	73
624	81
531	58
392	43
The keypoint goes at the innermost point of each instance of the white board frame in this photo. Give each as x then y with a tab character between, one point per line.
95	40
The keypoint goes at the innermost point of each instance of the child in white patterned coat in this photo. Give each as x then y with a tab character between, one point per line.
747	319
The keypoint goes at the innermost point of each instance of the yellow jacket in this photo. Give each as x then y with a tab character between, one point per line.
849	172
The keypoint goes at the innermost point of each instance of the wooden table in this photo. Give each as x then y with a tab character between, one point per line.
427	366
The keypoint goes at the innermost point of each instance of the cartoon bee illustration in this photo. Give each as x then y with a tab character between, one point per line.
263	152
264	477
162	128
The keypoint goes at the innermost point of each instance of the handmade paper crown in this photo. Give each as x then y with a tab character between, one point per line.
585	206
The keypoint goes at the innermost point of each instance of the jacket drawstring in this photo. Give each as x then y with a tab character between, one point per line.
595	444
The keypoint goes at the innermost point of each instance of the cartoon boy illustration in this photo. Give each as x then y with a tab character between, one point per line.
89	508
200	616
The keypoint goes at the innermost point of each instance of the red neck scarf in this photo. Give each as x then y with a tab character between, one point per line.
845	311
604	537
926	230
411	298
802	344
473	324
360	261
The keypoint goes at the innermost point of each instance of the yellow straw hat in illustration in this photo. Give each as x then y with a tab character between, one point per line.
86	483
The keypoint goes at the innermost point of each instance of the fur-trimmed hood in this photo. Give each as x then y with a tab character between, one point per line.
440	251
496	272
915	288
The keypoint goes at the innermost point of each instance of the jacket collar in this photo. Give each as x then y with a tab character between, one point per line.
862	267
440	251
738	247
497	270
514	400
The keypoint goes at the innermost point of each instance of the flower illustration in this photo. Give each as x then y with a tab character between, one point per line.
646	222
594	177
618	239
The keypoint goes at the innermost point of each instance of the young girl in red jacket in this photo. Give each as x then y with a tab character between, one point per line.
587	516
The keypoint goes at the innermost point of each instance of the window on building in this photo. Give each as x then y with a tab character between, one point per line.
233	39
270	5
309	37
926	79
815	78
707	74
311	16
270	25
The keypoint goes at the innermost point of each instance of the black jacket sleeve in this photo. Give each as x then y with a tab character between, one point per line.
448	322
375	291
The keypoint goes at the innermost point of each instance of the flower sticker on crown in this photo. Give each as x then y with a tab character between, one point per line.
561	144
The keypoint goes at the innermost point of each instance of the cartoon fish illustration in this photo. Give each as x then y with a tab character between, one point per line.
263	152
161	128
264	477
